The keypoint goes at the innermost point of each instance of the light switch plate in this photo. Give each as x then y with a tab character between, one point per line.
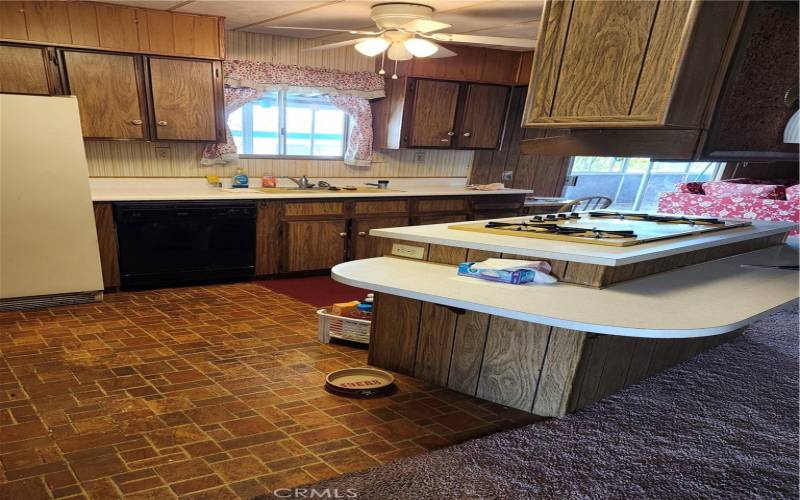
409	251
163	153
419	157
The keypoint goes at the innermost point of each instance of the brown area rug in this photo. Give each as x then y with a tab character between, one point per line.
720	426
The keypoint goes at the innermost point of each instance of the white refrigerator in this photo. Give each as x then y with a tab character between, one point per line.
48	242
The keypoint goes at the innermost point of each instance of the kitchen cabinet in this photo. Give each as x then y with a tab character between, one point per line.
314	245
109	91
423	113
107	241
628	64
187	99
362	245
113	27
25	70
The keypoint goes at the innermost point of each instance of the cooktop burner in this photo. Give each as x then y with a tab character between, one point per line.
551	228
673	219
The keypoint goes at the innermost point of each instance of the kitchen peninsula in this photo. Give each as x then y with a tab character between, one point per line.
619	314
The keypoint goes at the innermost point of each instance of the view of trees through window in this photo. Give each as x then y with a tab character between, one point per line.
634	183
289	124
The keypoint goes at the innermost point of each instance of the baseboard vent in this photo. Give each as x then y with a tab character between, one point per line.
40	301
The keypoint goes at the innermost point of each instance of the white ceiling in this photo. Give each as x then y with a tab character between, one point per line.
508	18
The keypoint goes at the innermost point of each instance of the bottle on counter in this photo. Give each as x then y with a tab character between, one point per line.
240	180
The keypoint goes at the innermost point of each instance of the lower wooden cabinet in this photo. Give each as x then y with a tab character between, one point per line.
314	244
25	70
107	241
364	246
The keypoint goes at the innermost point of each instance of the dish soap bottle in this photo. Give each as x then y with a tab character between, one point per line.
240	180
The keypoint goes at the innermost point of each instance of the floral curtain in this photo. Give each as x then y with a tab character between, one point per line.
247	81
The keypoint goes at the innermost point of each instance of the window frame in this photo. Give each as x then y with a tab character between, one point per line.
282	103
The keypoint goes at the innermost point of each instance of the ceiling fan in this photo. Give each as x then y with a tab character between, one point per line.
405	31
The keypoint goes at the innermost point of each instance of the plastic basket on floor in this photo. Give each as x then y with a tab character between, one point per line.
338	327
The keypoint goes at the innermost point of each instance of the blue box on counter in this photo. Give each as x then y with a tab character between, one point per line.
516	277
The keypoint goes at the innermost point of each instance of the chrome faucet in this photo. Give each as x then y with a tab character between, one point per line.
302	182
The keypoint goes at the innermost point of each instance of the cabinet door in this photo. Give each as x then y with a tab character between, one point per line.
433	113
47	22
23	70
314	244
365	246
423	220
184	99
12	21
118	27
481	122
108	92
107	240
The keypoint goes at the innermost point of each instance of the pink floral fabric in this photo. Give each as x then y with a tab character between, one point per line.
727	189
246	81
793	194
730	207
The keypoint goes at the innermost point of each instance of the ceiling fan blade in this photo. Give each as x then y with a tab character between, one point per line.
485	40
352	32
424	26
442	52
336	45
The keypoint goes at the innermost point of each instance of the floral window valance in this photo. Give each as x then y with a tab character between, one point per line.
247	81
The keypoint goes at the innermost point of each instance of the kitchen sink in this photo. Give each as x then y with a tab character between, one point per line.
314	190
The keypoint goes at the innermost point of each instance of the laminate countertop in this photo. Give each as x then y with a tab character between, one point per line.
706	299
185	189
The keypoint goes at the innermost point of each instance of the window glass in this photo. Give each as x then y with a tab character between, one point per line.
289	124
634	183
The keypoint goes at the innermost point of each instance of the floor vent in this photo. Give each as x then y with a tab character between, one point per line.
38	302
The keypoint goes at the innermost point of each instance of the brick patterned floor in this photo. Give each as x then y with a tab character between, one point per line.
204	392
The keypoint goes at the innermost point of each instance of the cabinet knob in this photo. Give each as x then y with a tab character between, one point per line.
162	123
451	134
136	122
467	134
362	233
445	140
342	234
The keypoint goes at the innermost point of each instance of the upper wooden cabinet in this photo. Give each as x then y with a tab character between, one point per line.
25	70
627	64
186	99
112	27
109	92
422	113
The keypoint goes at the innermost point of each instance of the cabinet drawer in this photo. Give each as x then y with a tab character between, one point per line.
380	207
314	208
442	205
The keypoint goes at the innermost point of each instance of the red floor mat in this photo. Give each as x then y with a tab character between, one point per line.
318	291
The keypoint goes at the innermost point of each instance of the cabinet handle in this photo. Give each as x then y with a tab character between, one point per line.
451	134
342	234
362	233
162	123
467	134
136	122
445	140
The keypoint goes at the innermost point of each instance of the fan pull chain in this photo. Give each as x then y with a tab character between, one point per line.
383	61
394	75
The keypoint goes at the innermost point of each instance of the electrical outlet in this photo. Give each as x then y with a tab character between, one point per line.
163	153
419	157
507	176
408	251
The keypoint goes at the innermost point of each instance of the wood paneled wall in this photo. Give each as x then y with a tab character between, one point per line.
543	174
140	159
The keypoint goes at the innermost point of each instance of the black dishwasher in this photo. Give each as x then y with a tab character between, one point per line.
175	243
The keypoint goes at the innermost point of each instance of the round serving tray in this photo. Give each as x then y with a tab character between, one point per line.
360	382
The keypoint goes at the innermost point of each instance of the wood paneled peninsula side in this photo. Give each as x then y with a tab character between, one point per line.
553	349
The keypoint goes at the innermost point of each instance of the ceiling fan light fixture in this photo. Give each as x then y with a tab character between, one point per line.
398	52
420	47
372	46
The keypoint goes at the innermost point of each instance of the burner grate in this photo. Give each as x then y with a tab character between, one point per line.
670	219
548	228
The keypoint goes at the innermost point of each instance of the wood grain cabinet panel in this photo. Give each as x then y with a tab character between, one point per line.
23	70
83	24
160	31
364	246
109	97
107	240
118	27
481	123
12	21
47	22
184	99
314	245
433	115
628	64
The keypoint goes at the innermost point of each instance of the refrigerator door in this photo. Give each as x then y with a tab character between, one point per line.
48	240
